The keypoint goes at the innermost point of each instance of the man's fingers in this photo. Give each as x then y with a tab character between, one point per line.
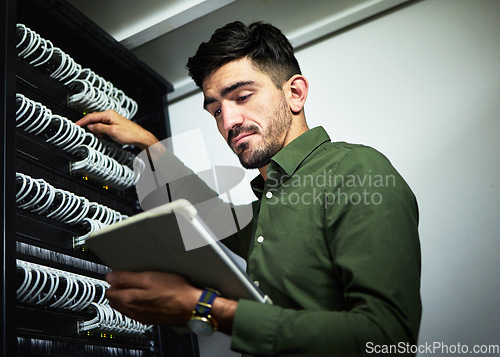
144	280
99	129
126	297
125	279
118	128
91	119
129	302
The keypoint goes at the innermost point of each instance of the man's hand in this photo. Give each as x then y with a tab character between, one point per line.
118	128
155	298
152	297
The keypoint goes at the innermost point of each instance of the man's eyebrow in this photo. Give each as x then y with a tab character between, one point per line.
224	92
234	86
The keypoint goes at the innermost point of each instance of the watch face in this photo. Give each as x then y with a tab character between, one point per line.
201	326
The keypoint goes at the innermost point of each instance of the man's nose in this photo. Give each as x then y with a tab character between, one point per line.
232	116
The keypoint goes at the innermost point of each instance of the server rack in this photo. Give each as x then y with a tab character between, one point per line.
42	247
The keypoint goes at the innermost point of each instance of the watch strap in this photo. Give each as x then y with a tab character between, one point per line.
205	302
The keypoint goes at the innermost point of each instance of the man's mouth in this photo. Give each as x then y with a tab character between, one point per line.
238	140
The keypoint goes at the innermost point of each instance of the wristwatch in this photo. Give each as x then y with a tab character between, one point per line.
202	323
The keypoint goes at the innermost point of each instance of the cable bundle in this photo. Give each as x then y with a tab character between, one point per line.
38	196
54	288
108	320
92	92
102	168
37	119
33	117
45	286
92	225
99	216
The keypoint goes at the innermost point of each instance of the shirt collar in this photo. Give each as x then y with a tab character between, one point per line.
292	155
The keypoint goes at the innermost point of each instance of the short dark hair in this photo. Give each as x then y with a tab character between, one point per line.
267	47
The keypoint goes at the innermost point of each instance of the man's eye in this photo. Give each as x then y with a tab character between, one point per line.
217	112
243	97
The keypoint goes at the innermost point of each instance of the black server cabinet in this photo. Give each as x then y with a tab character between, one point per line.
51	285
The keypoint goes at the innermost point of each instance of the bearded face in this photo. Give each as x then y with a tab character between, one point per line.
252	114
258	153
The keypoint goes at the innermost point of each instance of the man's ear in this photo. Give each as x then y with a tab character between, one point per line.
297	87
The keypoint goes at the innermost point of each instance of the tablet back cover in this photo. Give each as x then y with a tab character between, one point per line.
152	241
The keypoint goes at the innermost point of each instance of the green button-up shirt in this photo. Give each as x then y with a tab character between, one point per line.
334	243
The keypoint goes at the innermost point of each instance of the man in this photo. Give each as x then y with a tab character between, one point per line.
334	240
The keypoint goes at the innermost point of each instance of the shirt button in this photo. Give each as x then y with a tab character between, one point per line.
260	239
269	194
256	283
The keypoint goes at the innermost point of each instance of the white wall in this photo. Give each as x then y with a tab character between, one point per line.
422	85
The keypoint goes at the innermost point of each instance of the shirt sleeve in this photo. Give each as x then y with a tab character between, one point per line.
375	249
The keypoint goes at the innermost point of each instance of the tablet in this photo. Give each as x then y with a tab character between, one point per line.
152	241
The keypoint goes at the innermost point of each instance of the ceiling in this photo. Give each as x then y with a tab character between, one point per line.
165	33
